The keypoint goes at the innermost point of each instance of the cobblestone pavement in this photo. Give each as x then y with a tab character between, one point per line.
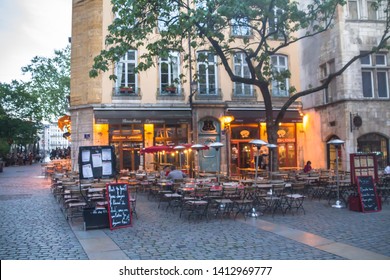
32	226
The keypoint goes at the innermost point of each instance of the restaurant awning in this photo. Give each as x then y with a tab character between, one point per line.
256	116
146	115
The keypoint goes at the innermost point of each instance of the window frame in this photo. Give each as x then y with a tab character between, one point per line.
240	30
207	67
273	82
241	89
376	80
364	11
161	20
173	78
124	73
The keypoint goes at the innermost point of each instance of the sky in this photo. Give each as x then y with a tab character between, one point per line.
30	28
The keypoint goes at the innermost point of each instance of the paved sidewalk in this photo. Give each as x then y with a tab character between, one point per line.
32	226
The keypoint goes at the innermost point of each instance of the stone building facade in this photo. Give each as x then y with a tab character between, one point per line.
355	107
137	112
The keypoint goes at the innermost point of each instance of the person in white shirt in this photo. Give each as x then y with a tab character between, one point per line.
387	169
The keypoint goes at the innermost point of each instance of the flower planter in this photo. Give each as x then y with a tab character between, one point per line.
170	89
127	90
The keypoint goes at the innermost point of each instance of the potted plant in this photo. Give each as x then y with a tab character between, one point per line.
126	89
171	88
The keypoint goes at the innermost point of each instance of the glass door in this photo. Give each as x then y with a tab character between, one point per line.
131	155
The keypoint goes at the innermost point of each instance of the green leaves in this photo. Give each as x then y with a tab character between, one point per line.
24	105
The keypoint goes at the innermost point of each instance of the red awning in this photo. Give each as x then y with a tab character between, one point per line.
155	149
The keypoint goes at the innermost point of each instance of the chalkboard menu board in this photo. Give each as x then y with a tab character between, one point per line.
118	205
367	194
96	162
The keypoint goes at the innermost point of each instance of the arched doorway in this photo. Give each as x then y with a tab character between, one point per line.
331	155
375	143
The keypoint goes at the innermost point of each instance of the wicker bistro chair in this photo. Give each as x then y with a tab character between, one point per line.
74	200
246	203
196	203
222	206
276	199
295	199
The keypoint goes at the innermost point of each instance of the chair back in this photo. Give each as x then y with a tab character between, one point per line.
278	189
298	188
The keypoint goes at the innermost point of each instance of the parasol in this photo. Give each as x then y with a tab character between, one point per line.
155	149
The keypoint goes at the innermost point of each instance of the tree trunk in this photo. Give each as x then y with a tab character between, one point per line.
272	129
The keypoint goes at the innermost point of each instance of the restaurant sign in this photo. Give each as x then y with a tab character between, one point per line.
127	137
286	140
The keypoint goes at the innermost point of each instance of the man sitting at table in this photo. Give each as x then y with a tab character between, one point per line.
175	174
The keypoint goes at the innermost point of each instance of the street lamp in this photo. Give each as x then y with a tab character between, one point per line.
337	143
271	154
226	120
217	146
179	148
198	147
258	143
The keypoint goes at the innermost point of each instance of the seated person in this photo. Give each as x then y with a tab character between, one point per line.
166	170
387	169
175	174
307	167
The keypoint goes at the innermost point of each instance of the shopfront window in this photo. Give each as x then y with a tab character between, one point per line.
287	155
128	143
242	153
375	143
171	135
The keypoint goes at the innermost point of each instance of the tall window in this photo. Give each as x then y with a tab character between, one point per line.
241	69
126	76
365	10
240	27
275	26
169	73
279	65
375	77
207	73
325	70
167	18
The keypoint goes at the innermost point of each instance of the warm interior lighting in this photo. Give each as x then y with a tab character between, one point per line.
227	119
305	121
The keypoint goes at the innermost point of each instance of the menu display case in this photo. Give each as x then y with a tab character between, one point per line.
363	164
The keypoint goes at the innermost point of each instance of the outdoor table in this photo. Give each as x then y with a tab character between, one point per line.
165	184
244	172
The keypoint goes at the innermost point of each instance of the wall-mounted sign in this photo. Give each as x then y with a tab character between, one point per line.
87	136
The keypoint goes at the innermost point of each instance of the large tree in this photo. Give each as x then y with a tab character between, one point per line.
25	104
50	83
273	25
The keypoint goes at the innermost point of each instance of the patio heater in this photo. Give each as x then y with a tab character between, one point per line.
217	146
197	147
179	148
258	143
271	155
337	143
